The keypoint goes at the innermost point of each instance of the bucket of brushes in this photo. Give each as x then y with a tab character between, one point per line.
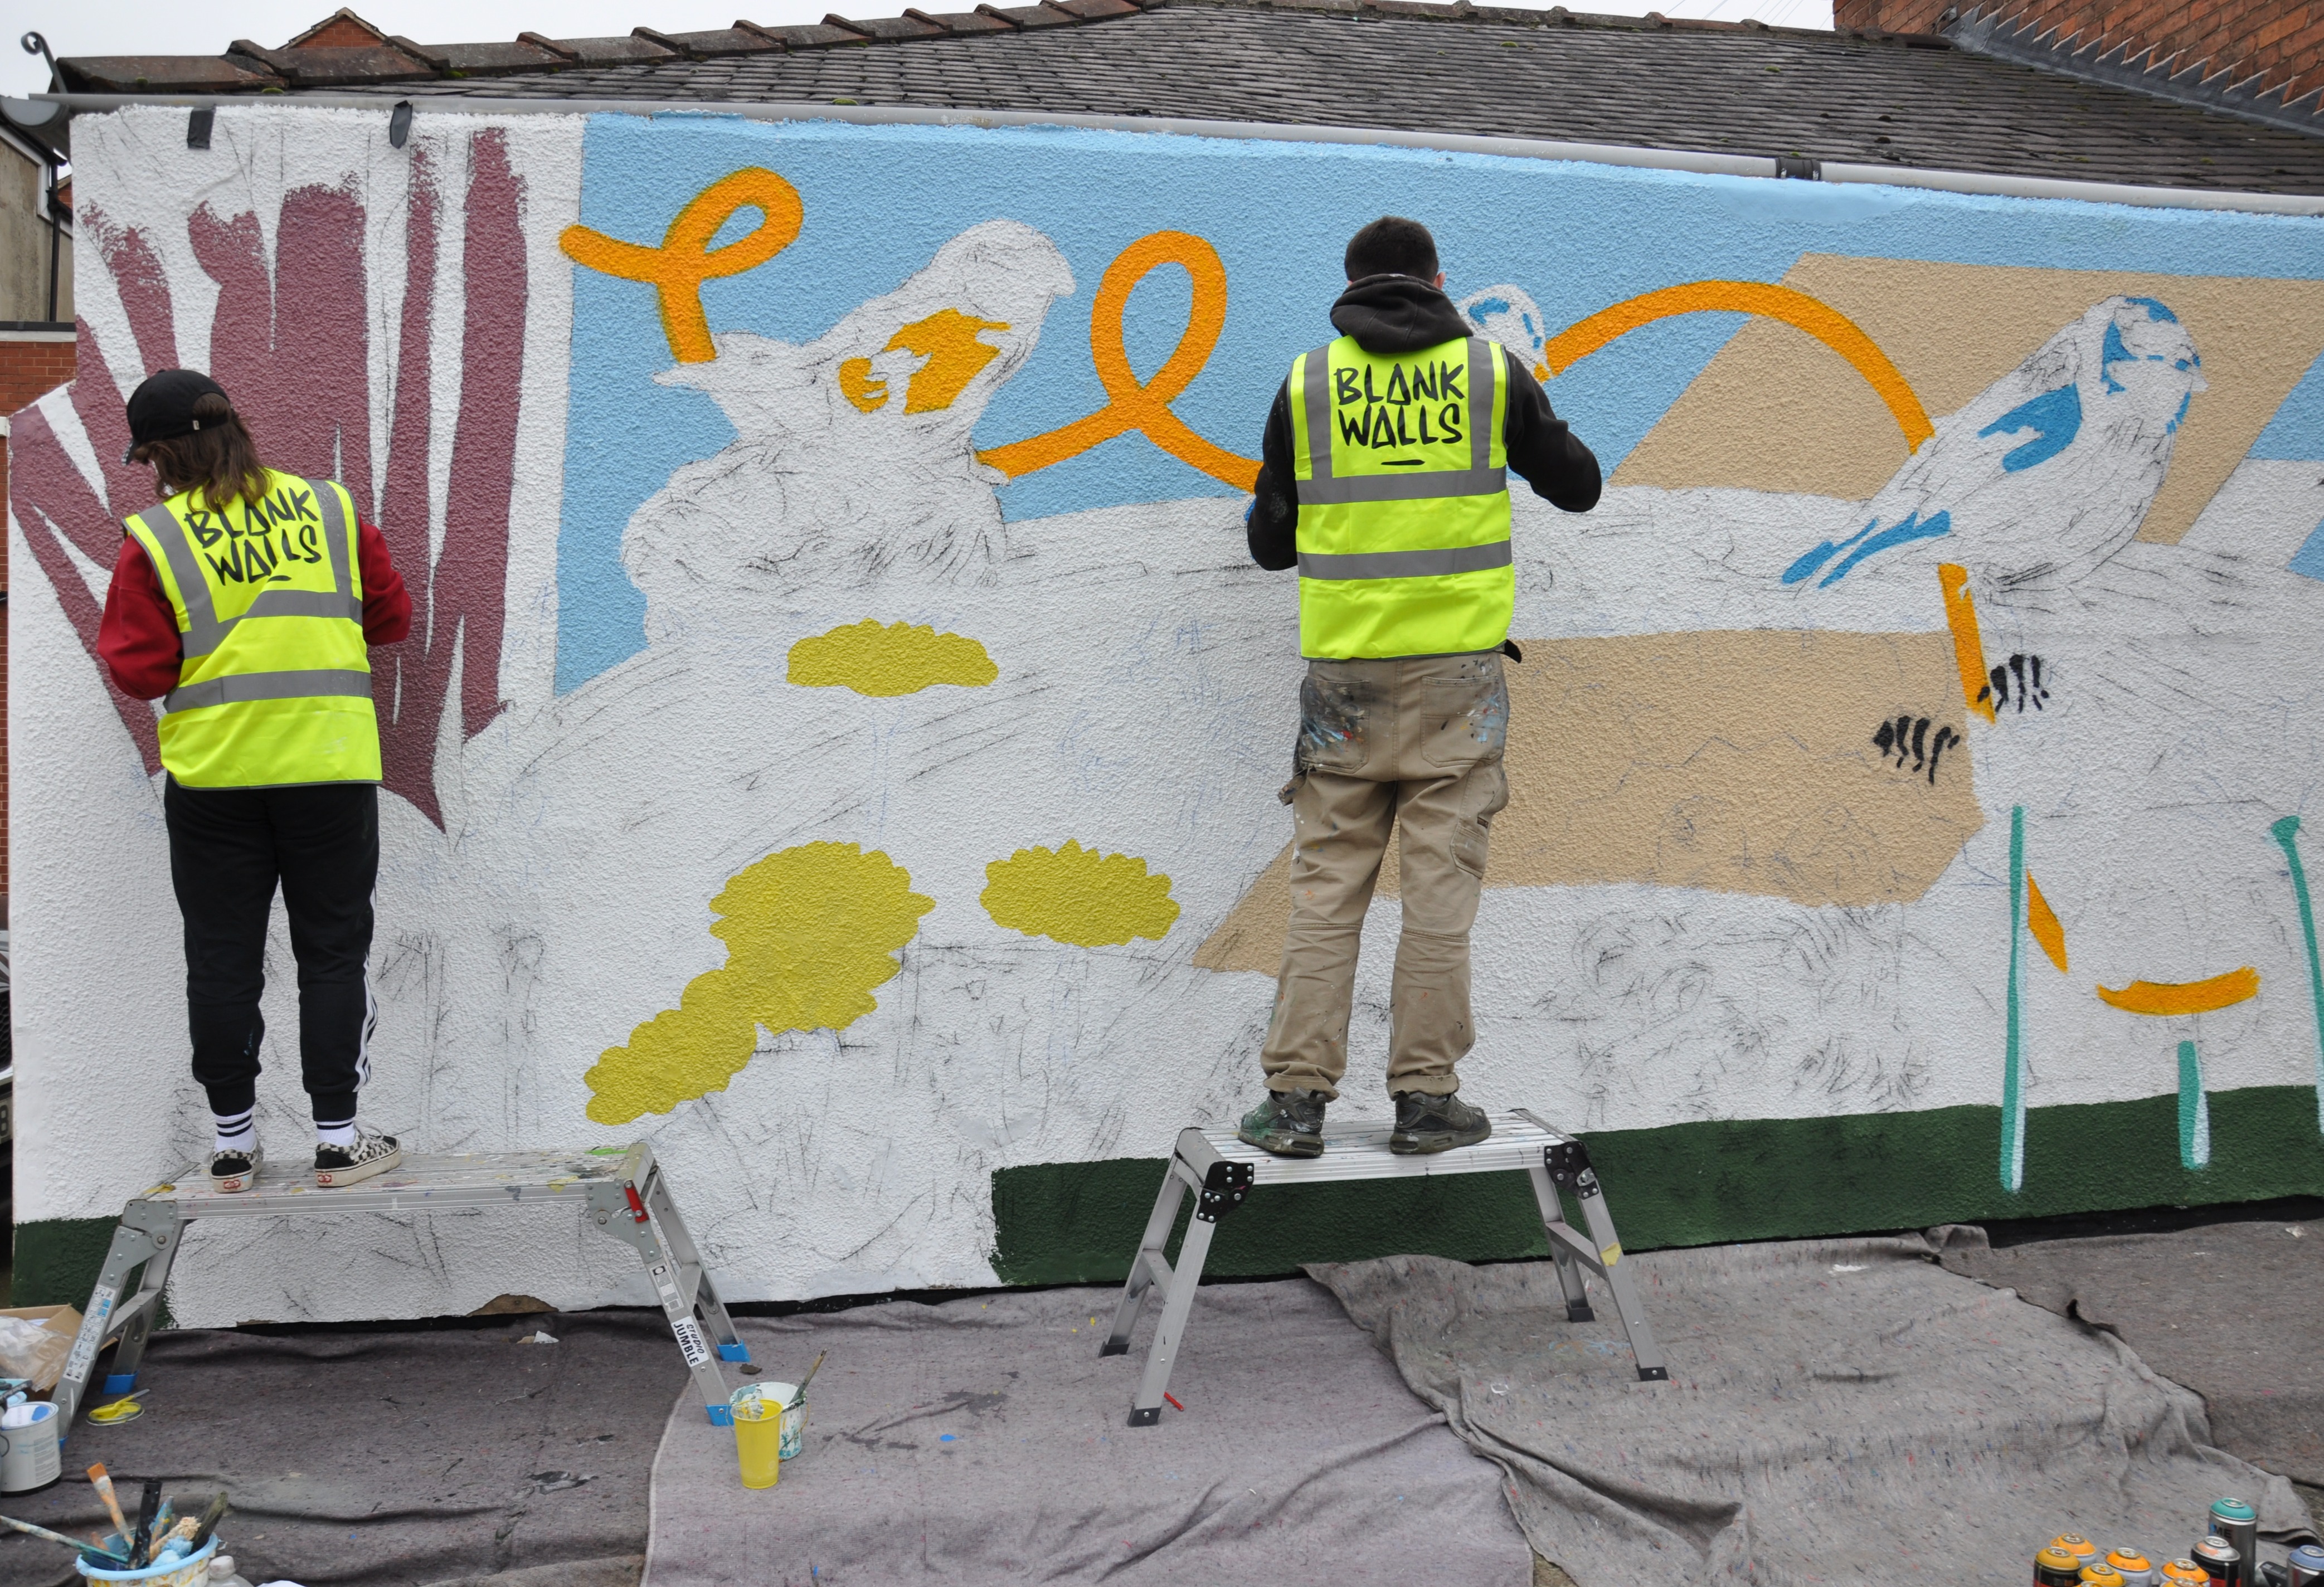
158	1551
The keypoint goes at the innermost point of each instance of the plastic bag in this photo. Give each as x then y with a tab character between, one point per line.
36	1351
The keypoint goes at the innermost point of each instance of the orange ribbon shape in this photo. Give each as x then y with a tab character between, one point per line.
1129	404
685	260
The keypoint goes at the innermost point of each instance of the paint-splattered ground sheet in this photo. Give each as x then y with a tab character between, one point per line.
984	1441
1837	1411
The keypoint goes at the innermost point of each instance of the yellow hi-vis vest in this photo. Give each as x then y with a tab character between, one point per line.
276	685
1404	499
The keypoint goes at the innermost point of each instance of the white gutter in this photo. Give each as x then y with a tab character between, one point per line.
1699	162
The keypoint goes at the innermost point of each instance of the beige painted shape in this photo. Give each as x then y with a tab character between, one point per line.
1738	761
1776	410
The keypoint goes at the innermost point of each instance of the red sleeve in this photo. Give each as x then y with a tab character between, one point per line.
387	604
138	635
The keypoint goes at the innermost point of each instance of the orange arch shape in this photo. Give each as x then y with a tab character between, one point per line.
1827	325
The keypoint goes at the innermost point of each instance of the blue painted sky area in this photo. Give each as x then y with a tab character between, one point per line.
880	201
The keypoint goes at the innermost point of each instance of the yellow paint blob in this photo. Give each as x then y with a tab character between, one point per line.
2184	997
2042	920
809	932
1079	896
897	660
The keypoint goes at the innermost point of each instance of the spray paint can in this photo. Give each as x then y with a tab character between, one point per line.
2056	1567
2101	1574
2085	1552
2184	1572
2238	1523
2306	1566
2135	1569
2221	1562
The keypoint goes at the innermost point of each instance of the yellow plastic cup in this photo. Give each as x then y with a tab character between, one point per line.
758	1442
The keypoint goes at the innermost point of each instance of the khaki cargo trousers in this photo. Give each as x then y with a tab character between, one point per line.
1411	746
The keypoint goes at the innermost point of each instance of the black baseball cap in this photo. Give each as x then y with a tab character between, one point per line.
162	407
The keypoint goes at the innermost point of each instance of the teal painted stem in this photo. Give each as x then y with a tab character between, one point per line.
2283	831
2194	1111
2013	1079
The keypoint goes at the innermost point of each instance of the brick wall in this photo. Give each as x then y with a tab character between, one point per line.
30	364
2282	41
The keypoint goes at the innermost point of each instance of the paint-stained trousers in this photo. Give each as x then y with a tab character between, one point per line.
1413	747
229	849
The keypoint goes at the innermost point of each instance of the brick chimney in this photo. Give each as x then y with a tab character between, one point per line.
2267	54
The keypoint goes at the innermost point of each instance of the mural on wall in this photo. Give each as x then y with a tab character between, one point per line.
840	734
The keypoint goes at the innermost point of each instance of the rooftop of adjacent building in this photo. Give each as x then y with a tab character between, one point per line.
1859	96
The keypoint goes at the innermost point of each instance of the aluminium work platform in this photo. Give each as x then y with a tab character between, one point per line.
1221	1171
620	1189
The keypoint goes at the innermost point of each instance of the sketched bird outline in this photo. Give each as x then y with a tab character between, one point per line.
2046	472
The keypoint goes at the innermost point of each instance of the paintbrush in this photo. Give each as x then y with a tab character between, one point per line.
29	1530
799	1394
210	1518
103	1486
149	1505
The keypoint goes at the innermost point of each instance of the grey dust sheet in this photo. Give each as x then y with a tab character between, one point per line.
1837	1411
984	1441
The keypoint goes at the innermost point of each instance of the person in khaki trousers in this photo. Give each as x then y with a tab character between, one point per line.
1384	479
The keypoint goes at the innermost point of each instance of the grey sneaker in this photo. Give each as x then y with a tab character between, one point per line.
1426	1123
232	1172
338	1166
1288	1123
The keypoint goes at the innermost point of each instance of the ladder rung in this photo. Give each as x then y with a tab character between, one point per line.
1582	1250
1158	1268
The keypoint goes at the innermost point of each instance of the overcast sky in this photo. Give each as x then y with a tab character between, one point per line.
171	27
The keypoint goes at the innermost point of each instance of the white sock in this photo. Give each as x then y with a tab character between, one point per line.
236	1132
336	1134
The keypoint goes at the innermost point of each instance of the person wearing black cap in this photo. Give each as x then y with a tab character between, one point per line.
246	602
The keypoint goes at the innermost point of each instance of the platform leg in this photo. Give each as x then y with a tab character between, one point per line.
1178	1300
610	1207
147	1230
1592	1200
1569	1272
1144	1265
724	1338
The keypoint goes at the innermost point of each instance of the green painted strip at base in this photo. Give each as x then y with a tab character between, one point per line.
1693	1184
57	1260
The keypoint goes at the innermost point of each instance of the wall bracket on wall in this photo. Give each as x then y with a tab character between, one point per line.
197	127
398	123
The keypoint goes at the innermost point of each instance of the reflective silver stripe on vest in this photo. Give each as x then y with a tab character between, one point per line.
1480	411
1405	564
205	629
1414	485
1318	417
242	687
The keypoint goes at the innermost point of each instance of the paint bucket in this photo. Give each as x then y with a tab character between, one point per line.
794	1422
29	1456
758	1441
188	1569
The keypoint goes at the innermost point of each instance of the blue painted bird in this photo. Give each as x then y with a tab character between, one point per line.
2046	474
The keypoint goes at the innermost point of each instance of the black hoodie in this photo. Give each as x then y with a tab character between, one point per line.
1392	314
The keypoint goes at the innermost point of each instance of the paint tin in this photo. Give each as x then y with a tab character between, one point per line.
2238	1523
2222	1564
29	1457
187	1570
2101	1574
2056	1567
2136	1568
2306	1566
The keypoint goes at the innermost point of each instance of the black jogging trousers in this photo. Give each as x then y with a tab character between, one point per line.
229	848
